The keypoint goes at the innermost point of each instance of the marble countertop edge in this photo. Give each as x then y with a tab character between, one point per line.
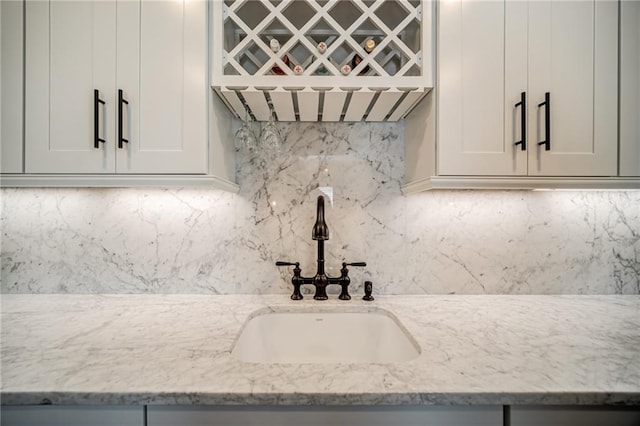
593	398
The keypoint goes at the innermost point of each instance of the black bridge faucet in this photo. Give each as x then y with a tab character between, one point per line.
320	233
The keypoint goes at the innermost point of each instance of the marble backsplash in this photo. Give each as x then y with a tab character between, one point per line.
208	241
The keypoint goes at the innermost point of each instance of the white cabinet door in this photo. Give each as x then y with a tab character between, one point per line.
70	53
570	416
162	71
482	72
155	52
11	55
71	416
573	56
321	416
630	88
492	52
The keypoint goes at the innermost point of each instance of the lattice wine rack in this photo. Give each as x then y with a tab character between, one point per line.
322	60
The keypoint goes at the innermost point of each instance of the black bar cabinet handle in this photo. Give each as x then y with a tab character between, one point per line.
547	118
523	118
121	102
96	119
344	264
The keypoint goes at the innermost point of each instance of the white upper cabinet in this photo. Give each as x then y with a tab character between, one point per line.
81	55
162	71
70	53
573	55
481	70
498	64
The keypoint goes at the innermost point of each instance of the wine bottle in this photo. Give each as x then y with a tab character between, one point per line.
277	70
369	45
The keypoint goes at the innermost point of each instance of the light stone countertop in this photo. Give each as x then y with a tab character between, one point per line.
176	349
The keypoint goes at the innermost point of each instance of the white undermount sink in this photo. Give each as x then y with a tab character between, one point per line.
324	337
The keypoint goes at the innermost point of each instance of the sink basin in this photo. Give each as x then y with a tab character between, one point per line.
324	337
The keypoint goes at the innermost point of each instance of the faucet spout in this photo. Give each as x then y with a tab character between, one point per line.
320	281
320	230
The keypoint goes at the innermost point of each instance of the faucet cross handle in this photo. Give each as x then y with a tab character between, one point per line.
345	264
296	280
344	279
281	263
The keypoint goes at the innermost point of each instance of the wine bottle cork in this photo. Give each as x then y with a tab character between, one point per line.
369	45
274	45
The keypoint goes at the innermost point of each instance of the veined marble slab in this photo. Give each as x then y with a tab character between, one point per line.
176	349
150	240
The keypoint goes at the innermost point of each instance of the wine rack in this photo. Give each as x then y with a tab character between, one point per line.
301	76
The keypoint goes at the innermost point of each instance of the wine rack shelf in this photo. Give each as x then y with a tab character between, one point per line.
311	60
